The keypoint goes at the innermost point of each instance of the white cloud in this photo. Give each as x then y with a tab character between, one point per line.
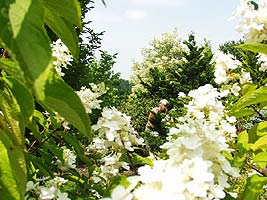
158	2
135	14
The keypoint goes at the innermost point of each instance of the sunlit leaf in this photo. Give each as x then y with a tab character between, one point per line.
254	187
261	143
251	98
13	175
68	9
64	30
261	159
61	98
255	47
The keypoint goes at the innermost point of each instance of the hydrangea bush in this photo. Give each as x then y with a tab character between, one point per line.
205	156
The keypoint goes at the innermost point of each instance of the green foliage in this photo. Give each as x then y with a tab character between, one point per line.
251	142
170	65
254	47
27	76
254	187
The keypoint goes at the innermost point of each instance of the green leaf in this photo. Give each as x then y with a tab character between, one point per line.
139	160
12	68
68	9
62	99
254	187
261	143
39	164
248	87
55	150
252	132
251	98
243	113
64	30
77	147
13	116
262	129
23	96
255	47
13	175
34	56
261	159
257	131
242	140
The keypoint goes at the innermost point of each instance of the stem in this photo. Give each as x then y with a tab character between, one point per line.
131	162
31	149
260	115
256	169
4	55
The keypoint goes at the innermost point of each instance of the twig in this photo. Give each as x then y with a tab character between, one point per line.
31	149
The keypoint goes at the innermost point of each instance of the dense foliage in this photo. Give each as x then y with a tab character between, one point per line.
51	150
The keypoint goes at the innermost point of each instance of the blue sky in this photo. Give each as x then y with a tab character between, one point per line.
131	24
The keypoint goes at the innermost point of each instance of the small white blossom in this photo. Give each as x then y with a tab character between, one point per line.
263	60
47	193
90	97
236	89
224	64
31	186
62	196
245	77
62	56
181	95
69	159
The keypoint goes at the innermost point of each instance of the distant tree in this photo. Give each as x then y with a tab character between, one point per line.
169	66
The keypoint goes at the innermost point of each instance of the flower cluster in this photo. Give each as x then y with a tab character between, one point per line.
69	160
115	127
114	135
45	189
196	167
165	52
227	70
89	97
61	55
253	22
263	61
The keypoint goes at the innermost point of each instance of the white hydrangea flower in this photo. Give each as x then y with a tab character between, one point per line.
263	60
47	193
69	159
245	77
116	127
31	186
47	189
62	56
224	64
62	195
195	168
253	20
115	133
57	181
89	97
181	95
155	57
122	193
235	89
